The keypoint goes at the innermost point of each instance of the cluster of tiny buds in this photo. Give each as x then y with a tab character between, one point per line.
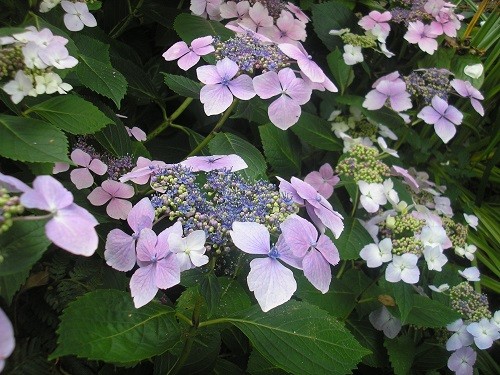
117	167
362	164
274	7
424	84
364	41
404	245
410	11
363	128
250	54
11	60
456	232
9	207
472	305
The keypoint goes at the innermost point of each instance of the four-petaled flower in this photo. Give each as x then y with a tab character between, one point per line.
423	35
81	177
221	85
443	116
189	250
189	56
158	266
77	15
294	92
383	320
404	268
462	360
466	90
377	254
316	251
484	333
116	193
385	90
272	283
460	337
323	180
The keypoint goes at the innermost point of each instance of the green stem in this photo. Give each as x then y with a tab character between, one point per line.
188	344
216	128
116	33
184	318
342	269
355	203
212	322
168	121
33	217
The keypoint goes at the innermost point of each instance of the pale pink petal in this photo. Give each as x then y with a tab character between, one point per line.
80	158
118	208
226	68
401	102
428	45
374	100
7	340
208	75
176	51
189	60
88	19
60	167
445	130
168	272
284	112
143	285
252	238
267	85
82	178
292	51
329	251
47	194
12	184
119	250
141	215
299	91
429	115
72	232
215	98
73	22
454	115
99	196
118	189
317	270
98	167
138	134
146	245
311	70
203	46
331	219
476	104
242	87
272	283
299	235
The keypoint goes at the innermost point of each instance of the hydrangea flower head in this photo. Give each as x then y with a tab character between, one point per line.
158	266
484	333
443	116
462	360
119	250
317	252
189	56
385	90
221	85
377	23
19	87
272	283
71	227
294	92
352	54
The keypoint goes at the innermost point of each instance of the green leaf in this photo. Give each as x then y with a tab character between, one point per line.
259	365
353	238
300	338
102	78
227	143
233	297
371	339
342	73
403	294
254	110
190	27
317	132
203	354
281	150
225	367
401	353
26	139
72	114
331	16
92	47
211	290
183	86
114	138
21	246
10	284
105	325
429	313
430	356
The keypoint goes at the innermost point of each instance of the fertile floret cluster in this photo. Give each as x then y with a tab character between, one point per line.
215	205
472	305
251	54
9	207
362	164
425	84
456	232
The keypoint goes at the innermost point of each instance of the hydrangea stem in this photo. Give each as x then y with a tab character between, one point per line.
119	29
216	128
169	120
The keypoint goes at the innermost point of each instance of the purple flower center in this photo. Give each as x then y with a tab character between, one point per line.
274	253
224	81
